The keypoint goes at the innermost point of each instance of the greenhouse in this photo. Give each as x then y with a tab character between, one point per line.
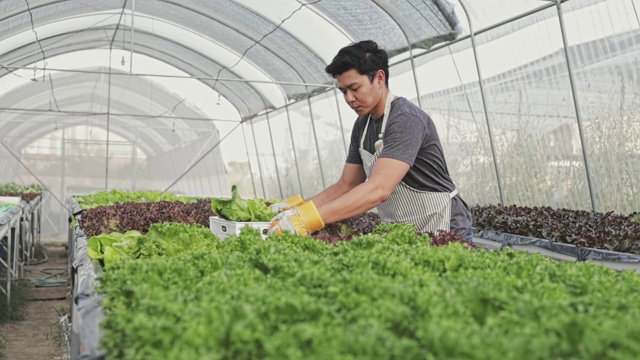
146	148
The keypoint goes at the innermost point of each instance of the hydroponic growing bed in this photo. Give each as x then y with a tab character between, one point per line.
177	292
607	238
7	204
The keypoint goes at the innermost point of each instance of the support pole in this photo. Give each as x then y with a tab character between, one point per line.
106	170
346	147
246	146
63	176
315	137
484	103
275	160
134	162
133	12
415	77
295	156
255	145
576	105
9	259
106	167
63	165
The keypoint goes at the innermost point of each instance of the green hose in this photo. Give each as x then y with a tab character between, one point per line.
48	281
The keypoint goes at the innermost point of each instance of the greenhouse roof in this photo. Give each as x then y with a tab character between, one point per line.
257	55
250	40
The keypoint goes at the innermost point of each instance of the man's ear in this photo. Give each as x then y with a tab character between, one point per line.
380	76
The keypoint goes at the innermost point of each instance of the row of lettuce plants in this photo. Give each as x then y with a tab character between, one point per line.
26	192
178	292
136	211
357	289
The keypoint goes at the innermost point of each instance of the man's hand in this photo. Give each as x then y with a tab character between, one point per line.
286	204
302	220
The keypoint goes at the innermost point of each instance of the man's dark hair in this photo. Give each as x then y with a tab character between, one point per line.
364	56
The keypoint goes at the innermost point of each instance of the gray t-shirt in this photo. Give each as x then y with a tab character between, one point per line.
411	136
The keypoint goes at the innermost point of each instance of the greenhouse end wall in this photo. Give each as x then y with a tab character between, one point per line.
530	108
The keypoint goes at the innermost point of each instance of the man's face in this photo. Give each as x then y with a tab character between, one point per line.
361	94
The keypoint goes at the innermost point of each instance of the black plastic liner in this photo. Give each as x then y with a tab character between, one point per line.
625	260
87	312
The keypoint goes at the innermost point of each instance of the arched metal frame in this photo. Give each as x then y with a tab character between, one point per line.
413	68
27	93
209	15
206	15
162	55
156	53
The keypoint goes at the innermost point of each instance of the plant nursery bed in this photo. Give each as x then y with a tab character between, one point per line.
609	232
246	298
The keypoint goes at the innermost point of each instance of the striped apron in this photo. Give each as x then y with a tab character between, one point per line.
429	211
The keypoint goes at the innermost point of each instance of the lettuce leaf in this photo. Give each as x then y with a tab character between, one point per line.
108	247
238	209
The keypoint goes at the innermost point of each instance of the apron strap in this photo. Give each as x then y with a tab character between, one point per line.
453	193
387	110
364	133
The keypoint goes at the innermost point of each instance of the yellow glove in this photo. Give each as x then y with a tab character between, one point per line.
302	220
286	204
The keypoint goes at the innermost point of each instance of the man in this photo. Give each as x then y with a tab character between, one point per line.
395	161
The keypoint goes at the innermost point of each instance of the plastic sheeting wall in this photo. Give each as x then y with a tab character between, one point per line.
530	110
608	89
151	136
68	163
195	167
8	165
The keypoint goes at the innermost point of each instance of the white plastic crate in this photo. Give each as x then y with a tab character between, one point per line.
15	200
224	228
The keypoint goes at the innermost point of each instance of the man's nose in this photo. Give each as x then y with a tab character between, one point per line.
349	98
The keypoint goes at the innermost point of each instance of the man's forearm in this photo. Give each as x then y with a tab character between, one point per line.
360	199
329	194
